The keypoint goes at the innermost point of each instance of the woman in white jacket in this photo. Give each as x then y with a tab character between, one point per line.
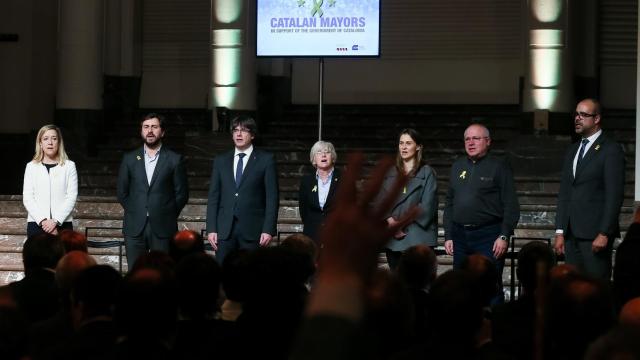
50	185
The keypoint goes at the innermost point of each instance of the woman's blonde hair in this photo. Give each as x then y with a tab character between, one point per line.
39	155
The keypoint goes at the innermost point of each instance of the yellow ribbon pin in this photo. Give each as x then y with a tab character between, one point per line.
463	174
404	191
597	147
315	189
138	157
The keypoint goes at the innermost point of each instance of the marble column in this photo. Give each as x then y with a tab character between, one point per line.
123	58
123	38
548	84
80	72
233	65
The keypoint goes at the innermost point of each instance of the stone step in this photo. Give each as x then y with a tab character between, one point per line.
290	193
11	268
9	276
510	121
416	120
107	208
501	112
95	212
194	150
105	184
450	128
387	131
297	163
284	160
289	181
536	221
493	115
383	141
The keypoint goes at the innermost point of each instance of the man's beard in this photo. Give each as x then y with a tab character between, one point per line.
152	143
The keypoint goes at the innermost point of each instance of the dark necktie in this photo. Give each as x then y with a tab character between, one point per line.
581	153
239	169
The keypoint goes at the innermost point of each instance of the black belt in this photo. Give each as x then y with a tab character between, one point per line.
478	226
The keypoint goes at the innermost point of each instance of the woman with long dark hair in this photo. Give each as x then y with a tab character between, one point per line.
420	190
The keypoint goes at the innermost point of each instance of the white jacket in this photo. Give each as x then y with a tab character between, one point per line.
50	194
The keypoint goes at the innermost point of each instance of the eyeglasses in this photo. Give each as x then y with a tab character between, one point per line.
242	130
323	152
583	115
475	138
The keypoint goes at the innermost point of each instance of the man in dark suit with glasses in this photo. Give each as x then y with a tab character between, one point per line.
591	194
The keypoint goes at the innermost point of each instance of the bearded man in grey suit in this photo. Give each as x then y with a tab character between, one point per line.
152	189
591	194
242	208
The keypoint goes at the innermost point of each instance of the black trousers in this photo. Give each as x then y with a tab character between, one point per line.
34	229
578	252
234	242
142	243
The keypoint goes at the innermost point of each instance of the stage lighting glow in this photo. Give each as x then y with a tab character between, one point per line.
545	67
225	96
228	11
547	11
546	38
227	66
544	98
227	37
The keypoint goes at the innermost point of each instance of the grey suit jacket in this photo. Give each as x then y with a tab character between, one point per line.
163	199
254	203
589	202
420	191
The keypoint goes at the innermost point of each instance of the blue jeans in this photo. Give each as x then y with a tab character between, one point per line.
478	241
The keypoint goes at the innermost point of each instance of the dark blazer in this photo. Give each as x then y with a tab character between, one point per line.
163	199
309	204
255	202
589	202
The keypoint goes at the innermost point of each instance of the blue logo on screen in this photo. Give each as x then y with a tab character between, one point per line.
354	47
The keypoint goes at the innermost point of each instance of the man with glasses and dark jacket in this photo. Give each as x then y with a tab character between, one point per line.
591	194
481	209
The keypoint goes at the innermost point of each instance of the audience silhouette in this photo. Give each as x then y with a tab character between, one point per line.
295	301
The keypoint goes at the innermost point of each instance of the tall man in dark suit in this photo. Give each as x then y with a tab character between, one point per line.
152	189
242	209
591	194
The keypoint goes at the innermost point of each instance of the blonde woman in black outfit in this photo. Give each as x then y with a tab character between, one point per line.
317	189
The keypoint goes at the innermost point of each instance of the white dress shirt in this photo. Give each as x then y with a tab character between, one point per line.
248	152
